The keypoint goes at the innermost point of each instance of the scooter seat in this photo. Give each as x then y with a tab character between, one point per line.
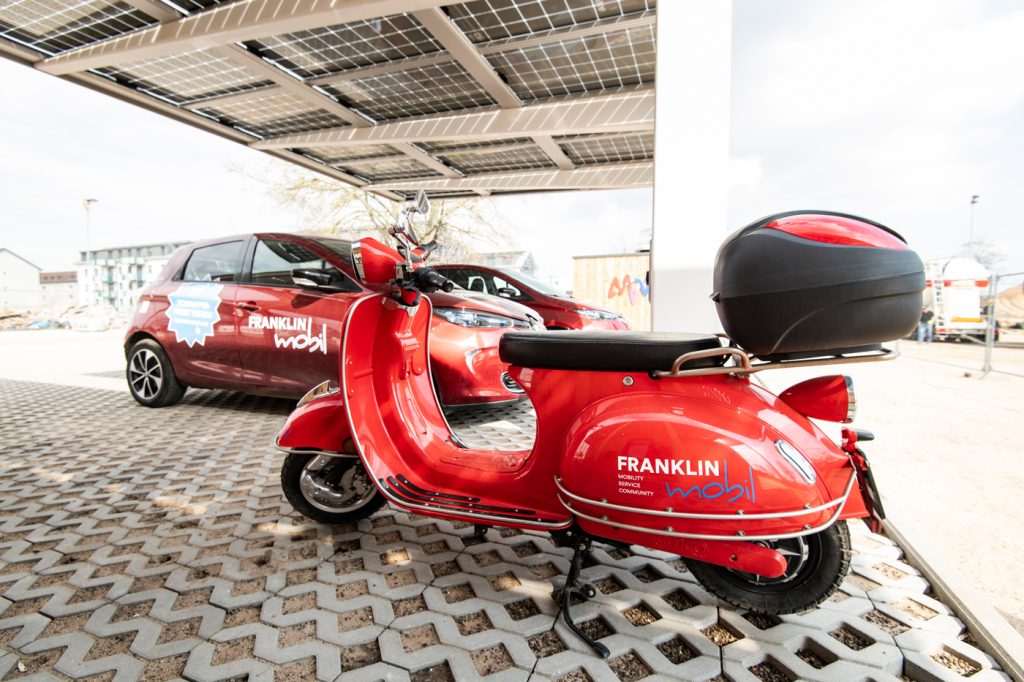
609	351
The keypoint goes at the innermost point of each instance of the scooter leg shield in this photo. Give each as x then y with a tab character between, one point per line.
318	426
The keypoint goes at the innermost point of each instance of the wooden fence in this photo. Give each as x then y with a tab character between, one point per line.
617	283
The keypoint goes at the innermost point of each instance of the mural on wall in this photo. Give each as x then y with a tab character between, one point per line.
616	282
633	287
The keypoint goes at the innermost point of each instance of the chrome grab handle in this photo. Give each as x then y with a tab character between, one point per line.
747	367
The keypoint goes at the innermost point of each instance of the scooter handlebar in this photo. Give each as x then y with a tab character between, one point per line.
428	280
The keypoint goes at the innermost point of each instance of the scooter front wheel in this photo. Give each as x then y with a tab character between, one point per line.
329	489
815	567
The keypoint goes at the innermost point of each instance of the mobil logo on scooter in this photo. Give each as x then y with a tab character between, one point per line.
720	487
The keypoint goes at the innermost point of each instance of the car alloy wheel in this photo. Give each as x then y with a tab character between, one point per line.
145	374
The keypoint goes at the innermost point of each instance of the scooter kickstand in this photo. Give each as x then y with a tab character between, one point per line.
574	587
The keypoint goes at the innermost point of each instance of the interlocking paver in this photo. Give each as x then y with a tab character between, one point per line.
156	544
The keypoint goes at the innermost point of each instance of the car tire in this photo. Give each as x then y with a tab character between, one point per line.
327	489
150	375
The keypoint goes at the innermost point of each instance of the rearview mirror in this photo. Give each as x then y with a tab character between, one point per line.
312	278
507	292
422	203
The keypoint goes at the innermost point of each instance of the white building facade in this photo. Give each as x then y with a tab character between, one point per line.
19	283
59	289
113	277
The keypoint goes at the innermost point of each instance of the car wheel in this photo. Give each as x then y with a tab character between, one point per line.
329	489
150	375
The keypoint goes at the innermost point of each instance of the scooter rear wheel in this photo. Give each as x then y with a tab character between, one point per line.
329	489
816	566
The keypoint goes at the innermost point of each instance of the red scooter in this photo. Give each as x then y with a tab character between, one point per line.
658	440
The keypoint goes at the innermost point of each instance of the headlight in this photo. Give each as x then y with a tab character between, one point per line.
597	314
472	318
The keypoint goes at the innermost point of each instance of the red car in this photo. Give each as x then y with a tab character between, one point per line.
558	310
227	313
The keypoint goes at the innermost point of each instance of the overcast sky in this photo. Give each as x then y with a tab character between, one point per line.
898	111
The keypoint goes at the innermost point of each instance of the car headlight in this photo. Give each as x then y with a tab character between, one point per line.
597	314
472	318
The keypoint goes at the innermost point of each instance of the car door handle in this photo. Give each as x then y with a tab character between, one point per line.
250	306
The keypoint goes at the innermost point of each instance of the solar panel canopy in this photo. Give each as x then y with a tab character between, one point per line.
457	98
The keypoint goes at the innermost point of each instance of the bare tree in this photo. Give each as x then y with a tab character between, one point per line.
988	253
462	226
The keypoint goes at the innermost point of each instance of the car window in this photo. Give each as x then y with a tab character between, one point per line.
274	260
498	283
216	263
457	275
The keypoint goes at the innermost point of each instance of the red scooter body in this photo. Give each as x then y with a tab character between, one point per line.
681	465
696	460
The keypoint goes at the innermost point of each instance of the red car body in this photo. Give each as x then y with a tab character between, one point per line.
558	311
246	328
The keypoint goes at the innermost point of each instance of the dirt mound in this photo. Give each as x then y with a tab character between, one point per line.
1010	306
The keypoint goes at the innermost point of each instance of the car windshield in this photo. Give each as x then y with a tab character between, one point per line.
532	282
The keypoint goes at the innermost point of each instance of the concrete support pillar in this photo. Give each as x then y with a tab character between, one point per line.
691	160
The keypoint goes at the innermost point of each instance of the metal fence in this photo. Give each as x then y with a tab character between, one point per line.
997	283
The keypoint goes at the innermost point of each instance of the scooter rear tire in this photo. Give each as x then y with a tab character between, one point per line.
812	577
356	505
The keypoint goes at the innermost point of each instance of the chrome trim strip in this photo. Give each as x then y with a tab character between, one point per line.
518	520
313	451
321	389
707	517
700	536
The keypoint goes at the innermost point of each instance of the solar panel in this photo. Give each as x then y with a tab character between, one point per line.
608	60
583	149
267	69
414	92
272	112
486	20
520	158
440	146
187	77
53	27
331	49
398	168
334	155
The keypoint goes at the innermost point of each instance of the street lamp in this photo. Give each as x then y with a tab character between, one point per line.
87	204
970	233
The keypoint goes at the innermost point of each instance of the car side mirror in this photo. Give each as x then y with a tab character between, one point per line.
507	292
312	278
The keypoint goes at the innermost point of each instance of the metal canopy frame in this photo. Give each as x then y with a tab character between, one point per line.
474	97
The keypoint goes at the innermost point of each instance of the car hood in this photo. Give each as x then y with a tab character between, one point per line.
484	303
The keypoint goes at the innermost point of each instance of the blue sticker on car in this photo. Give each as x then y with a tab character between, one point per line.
193	312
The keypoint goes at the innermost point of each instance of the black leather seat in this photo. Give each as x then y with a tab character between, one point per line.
605	351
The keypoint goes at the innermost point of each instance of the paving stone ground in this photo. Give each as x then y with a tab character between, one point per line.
156	545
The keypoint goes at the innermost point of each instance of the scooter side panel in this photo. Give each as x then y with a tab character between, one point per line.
698	447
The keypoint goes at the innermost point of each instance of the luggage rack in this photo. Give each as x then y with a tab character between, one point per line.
745	366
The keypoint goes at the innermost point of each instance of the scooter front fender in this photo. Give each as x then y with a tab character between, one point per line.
318	426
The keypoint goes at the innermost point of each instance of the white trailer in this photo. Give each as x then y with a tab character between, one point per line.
953	290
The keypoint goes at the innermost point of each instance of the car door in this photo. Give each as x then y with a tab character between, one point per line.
201	319
290	336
